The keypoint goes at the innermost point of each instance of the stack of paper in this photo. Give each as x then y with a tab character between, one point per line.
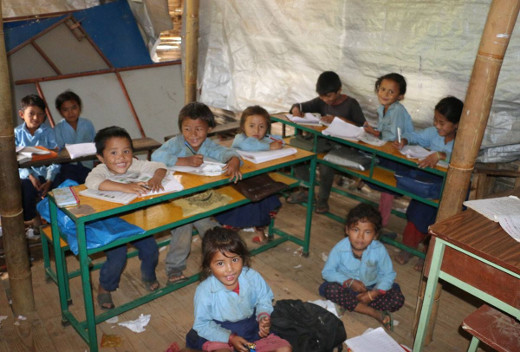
307	119
418	152
341	129
209	167
25	153
80	149
260	157
374	340
504	210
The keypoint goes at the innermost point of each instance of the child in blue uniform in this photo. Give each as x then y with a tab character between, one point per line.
438	138
358	274
36	181
233	303
73	129
189	149
390	90
255	125
114	150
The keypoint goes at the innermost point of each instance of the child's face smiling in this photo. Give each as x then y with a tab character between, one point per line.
360	235
444	127
33	117
255	126
331	98
388	93
194	132
226	267
70	111
117	155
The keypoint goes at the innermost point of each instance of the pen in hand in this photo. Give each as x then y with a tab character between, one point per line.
190	148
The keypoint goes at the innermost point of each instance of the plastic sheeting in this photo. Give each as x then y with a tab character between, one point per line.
271	53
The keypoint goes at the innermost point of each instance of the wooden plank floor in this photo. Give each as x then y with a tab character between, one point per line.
289	273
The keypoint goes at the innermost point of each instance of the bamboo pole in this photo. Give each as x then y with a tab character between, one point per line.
479	97
191	50
15	244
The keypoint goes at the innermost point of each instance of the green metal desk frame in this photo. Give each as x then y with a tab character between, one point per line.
87	328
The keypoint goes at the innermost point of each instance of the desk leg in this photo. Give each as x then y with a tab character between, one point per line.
433	278
308	220
87	287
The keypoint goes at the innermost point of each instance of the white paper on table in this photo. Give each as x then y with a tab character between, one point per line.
493	208
511	225
267	155
418	152
80	149
31	150
341	129
137	325
307	119
371	139
169	182
374	340
209	167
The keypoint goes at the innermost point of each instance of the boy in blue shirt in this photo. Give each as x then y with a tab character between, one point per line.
189	149
358	274
36	181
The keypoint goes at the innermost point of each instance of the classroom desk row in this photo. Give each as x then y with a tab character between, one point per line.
375	174
154	214
141	145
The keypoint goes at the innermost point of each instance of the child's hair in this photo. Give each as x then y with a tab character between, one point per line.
451	108
328	82
254	110
397	78
67	96
194	111
364	212
32	100
103	135
219	239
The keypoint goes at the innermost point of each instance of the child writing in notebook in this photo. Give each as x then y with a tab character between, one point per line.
358	274
329	103
233	302
255	125
439	139
73	129
390	90
189	149
36	180
114	150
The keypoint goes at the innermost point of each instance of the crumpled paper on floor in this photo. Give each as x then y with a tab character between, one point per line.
137	325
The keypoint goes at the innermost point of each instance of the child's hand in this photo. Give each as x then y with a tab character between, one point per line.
398	145
193	160
327	118
239	343
232	169
264	326
367	296
372	130
430	161
35	182
44	188
358	286
296	111
138	188
277	144
155	183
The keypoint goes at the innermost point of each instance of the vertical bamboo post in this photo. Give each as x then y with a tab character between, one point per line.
15	244
479	97
191	47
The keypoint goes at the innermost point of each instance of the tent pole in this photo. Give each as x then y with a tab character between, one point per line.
477	105
15	243
192	37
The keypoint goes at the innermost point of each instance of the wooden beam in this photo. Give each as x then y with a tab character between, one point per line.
191	50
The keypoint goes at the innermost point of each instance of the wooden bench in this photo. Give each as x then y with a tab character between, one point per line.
493	328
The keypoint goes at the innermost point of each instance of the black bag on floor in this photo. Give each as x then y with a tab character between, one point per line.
307	326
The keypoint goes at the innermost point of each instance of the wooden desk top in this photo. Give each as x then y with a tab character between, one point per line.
387	148
140	145
90	206
478	235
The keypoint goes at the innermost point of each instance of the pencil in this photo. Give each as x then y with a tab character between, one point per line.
190	148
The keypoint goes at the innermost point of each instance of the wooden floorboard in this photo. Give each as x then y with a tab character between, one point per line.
289	273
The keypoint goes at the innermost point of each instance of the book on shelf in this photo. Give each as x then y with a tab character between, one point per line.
504	210
267	155
30	153
65	197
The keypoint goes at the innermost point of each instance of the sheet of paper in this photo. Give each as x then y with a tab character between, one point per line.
511	225
371	139
415	151
109	196
307	119
263	156
374	340
32	150
341	129
209	167
80	149
169	182
493	208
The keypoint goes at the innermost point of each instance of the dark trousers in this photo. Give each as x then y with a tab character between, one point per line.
110	273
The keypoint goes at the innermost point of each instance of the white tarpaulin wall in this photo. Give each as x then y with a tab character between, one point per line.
271	52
